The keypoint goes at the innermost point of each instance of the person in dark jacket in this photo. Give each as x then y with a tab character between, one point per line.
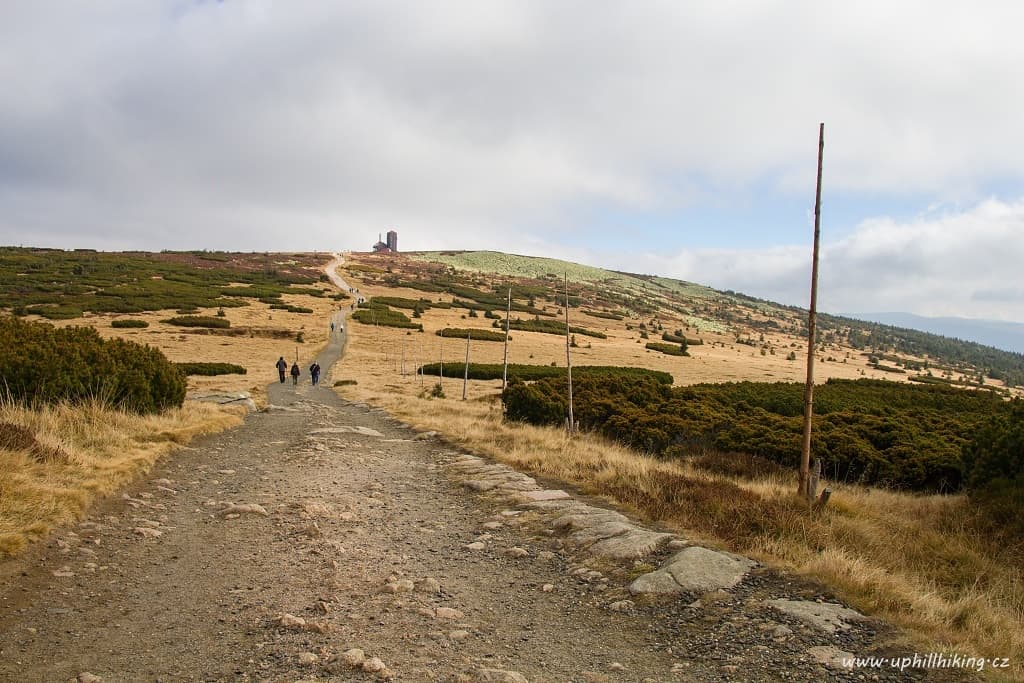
282	366
295	373
314	373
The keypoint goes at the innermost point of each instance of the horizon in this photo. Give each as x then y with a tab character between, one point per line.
660	138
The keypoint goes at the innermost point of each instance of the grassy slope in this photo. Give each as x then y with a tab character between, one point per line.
914	560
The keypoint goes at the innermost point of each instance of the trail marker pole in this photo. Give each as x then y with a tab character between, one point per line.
568	356
465	378
805	454
504	370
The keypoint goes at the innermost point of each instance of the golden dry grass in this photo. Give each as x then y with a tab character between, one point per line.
919	561
87	452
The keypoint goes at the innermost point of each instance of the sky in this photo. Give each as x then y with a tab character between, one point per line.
653	136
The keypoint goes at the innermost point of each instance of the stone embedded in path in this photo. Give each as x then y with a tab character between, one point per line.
364	431
694	570
354	657
542	495
832	657
501	676
241	398
86	677
827	616
633	544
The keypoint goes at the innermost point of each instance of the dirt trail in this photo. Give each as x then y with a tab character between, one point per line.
321	526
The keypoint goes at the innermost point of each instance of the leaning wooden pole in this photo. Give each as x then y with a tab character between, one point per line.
508	316
568	356
805	455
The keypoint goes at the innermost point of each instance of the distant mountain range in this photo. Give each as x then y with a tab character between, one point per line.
1008	336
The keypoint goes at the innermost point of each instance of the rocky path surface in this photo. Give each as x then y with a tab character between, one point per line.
323	540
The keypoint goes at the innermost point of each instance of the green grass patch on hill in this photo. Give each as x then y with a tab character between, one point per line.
128	323
530	373
474	334
384	316
552	327
198	321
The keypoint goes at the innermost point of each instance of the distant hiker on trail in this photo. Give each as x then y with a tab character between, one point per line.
314	373
332	327
282	365
295	373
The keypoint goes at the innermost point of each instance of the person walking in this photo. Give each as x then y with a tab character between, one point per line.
332	327
295	373
314	373
282	366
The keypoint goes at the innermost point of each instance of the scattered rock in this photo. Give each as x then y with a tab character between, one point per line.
86	677
622	606
291	621
694	569
491	526
448	613
476	545
147	532
516	552
399	586
354	657
245	508
616	666
832	657
64	573
458	635
827	616
373	665
501	676
542	495
363	431
428	585
547	588
308	658
423	436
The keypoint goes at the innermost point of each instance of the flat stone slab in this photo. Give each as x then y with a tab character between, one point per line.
598	532
827	616
364	431
241	398
832	657
586	516
694	569
544	494
630	545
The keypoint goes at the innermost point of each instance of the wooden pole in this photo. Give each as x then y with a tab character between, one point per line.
568	357
504	370
465	377
805	454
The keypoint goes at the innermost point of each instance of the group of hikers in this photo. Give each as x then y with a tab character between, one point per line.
282	368
295	372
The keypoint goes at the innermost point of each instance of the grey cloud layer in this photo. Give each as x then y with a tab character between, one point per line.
308	125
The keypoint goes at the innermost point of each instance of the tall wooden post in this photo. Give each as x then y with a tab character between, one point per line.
465	378
508	315
805	455
568	357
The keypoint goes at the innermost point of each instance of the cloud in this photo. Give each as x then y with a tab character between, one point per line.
956	263
499	123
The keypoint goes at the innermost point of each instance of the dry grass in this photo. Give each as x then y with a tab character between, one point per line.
60	459
923	562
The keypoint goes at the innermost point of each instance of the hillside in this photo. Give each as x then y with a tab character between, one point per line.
732	318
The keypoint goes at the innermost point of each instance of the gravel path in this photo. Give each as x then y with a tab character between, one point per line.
322	540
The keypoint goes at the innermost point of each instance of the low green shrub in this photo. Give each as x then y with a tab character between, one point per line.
42	364
129	323
198	321
211	369
474	334
530	373
668	349
290	308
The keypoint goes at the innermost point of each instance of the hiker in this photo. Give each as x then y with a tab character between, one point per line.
282	365
314	373
332	327
295	373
